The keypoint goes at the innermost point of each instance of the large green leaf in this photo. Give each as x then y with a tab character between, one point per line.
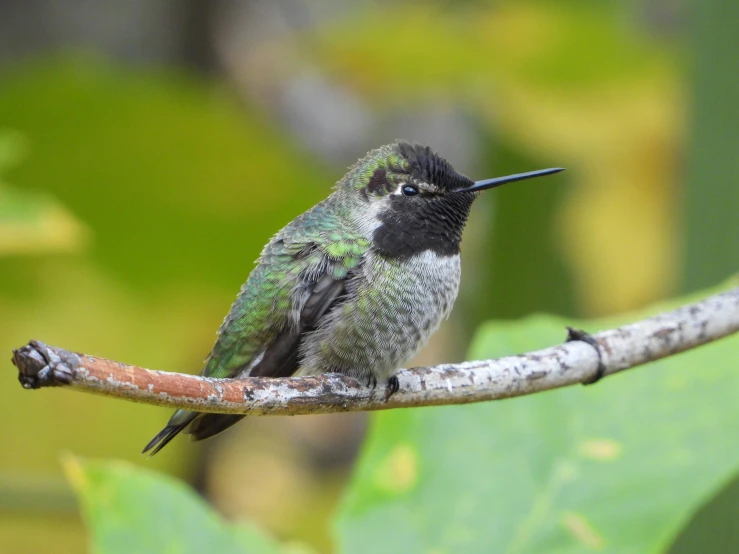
129	509
617	467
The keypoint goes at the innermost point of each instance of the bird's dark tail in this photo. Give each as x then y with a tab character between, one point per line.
211	424
177	423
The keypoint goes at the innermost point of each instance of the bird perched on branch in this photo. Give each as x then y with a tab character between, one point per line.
355	285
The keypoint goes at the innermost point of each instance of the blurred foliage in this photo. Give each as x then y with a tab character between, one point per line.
518	250
619	467
286	473
129	509
713	526
165	168
711	228
32	223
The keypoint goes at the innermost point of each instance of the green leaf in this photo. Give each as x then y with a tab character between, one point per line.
615	467
31	222
128	509
12	149
709	227
711	195
166	168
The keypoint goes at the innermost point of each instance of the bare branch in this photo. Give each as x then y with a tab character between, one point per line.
570	363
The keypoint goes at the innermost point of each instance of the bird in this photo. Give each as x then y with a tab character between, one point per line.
355	285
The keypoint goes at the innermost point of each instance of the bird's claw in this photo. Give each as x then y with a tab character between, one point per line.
393	386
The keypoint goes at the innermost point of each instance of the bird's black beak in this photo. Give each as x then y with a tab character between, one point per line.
497	181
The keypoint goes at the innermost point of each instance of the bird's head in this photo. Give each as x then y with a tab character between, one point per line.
408	199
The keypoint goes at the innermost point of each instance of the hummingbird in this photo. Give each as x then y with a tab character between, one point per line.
355	285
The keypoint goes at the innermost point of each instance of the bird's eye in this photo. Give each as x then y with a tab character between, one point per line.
409	190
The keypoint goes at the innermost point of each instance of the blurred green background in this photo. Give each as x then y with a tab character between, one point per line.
148	150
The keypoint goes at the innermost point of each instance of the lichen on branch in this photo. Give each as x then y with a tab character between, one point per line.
570	363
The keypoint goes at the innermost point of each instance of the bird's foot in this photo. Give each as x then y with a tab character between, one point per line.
372	381
393	386
583	336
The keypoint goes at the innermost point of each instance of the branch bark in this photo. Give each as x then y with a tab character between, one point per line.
570	363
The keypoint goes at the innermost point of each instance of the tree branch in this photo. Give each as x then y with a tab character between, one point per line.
570	363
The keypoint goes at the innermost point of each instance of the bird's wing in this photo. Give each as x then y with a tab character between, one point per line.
301	274
280	359
321	286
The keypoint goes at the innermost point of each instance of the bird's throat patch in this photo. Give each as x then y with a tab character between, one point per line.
411	226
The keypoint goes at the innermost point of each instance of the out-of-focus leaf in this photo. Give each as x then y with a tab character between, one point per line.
36	224
32	223
713	527
505	264
616	467
129	509
711	230
710	206
12	149
165	168
471	52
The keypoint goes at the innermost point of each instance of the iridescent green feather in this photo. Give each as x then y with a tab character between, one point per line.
384	157
320	239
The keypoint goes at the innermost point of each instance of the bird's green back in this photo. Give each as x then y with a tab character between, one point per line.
319	240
